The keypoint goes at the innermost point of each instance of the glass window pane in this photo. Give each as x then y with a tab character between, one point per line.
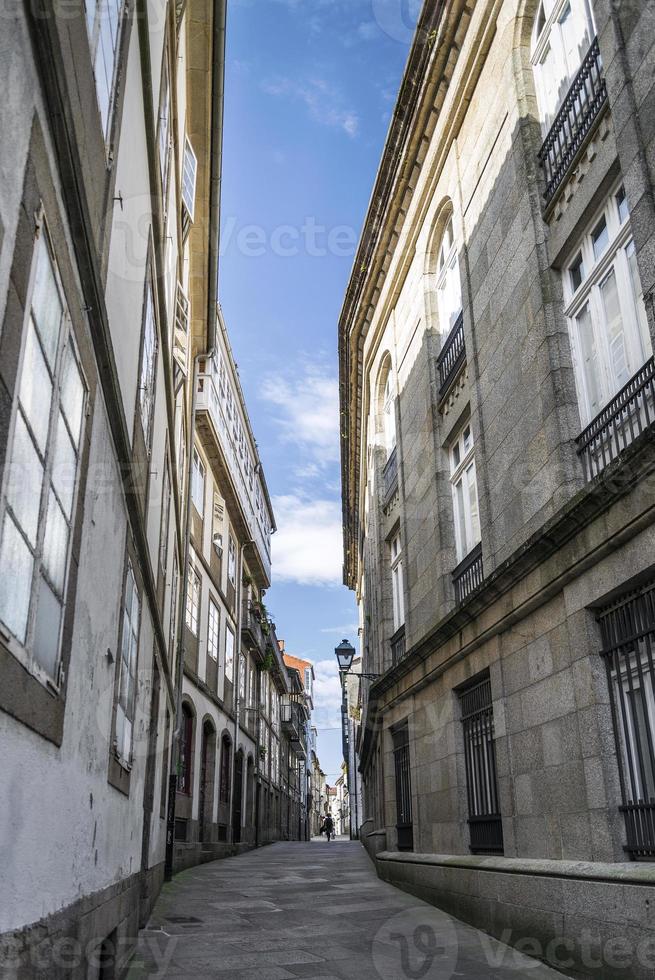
638	300
46	304
17	566
35	390
72	394
46	630
622	204
600	237
577	272
462	543
25	479
590	364
64	467
473	504
55	545
618	357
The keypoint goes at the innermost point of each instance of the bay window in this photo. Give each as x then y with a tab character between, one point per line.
37	504
562	35
465	492
605	308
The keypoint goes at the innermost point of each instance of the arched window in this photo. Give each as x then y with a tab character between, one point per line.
449	288
186	751
563	32
389	414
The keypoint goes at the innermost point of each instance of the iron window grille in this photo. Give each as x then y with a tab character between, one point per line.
628	632
404	822
398	645
485	821
580	109
452	357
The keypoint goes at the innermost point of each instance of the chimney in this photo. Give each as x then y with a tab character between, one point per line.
280	643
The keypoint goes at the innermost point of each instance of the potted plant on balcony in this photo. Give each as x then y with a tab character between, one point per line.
269	660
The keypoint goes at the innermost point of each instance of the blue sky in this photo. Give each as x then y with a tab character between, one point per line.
310	88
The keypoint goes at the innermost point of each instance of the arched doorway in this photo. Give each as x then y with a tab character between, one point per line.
237	799
207	769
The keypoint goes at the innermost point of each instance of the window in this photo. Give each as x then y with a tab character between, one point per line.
231	562
562	36
103	21
449	289
126	696
148	367
224	785
189	171
628	630
485	822
404	820
229	653
37	506
389	414
605	308
252	703
465	492
213	630
163	795
243	671
185	765
193	600
173	615
308	681
165	519
164	124
398	594
198	483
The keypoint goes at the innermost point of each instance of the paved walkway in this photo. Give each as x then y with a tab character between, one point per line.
314	910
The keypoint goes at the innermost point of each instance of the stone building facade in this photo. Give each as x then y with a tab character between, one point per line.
100	211
497	388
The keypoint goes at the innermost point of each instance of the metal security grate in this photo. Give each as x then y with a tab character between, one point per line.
628	629
404	823
485	821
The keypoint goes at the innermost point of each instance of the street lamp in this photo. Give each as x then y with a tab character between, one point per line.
345	654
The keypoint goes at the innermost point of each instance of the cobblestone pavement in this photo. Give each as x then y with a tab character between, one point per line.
313	910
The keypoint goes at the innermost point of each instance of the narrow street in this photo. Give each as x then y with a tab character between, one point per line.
313	910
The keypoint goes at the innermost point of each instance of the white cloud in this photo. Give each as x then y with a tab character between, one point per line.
324	103
327	694
307	408
307	547
342	631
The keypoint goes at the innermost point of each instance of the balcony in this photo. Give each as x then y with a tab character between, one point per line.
251	628
629	413
574	121
213	425
452	358
390	476
468	575
397	643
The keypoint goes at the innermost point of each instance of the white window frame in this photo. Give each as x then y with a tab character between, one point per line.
231	561
126	693
551	38
448	284
597	270
45	448
389	413
193	600
397	582
243	678
189	176
229	652
164	141
463	475
104	38
148	363
213	629
198	477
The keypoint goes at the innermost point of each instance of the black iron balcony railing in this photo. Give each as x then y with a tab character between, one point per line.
581	107
397	643
620	422
452	357
390	475
468	574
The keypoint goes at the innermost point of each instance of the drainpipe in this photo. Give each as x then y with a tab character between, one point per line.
216	159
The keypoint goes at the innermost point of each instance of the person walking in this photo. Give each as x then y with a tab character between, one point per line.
329	827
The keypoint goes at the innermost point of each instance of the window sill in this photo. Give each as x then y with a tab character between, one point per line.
28	698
